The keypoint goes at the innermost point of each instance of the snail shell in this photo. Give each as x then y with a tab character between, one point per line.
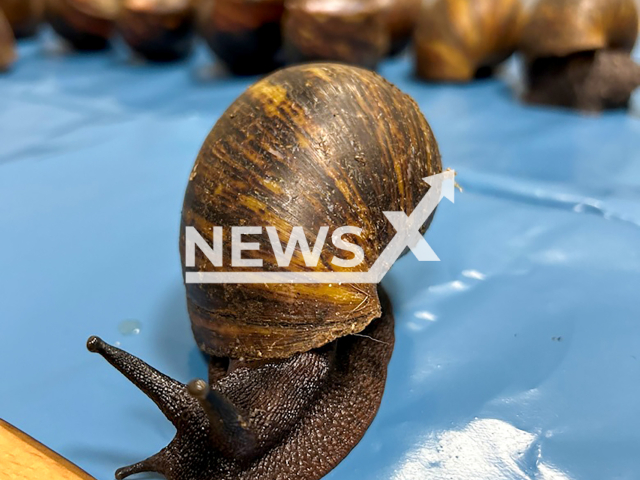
578	53
23	15
244	34
400	18
311	146
557	28
85	24
7	44
457	40
159	30
347	31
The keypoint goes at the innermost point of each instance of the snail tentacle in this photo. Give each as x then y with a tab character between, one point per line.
230	429
151	464
168	394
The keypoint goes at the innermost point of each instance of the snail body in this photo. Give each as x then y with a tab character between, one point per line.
24	16
85	24
296	371
459	40
7	44
159	30
578	53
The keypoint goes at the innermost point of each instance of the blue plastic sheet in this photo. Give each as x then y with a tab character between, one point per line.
517	356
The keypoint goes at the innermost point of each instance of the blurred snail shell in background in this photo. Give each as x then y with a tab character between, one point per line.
244	34
578	53
7	44
459	40
158	30
85	24
400	17
24	16
347	31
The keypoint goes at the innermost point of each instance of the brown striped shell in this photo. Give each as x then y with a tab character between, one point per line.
158	30
400	17
244	34
313	145
85	24
23	15
457	40
7	44
557	28
347	31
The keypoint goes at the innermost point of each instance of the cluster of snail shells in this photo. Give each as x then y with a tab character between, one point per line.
455	40
576	52
249	36
331	145
255	36
154	29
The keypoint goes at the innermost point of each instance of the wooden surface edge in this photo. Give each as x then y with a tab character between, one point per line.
24	458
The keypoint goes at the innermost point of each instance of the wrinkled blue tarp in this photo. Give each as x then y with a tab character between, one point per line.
517	357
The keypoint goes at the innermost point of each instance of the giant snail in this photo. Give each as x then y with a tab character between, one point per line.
356	32
24	16
244	34
578	53
84	24
400	18
459	40
296	371
7	44
158	30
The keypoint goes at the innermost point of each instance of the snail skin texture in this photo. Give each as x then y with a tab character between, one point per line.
347	31
578	53
459	40
158	30
85	24
296	371
244	34
7	44
24	16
